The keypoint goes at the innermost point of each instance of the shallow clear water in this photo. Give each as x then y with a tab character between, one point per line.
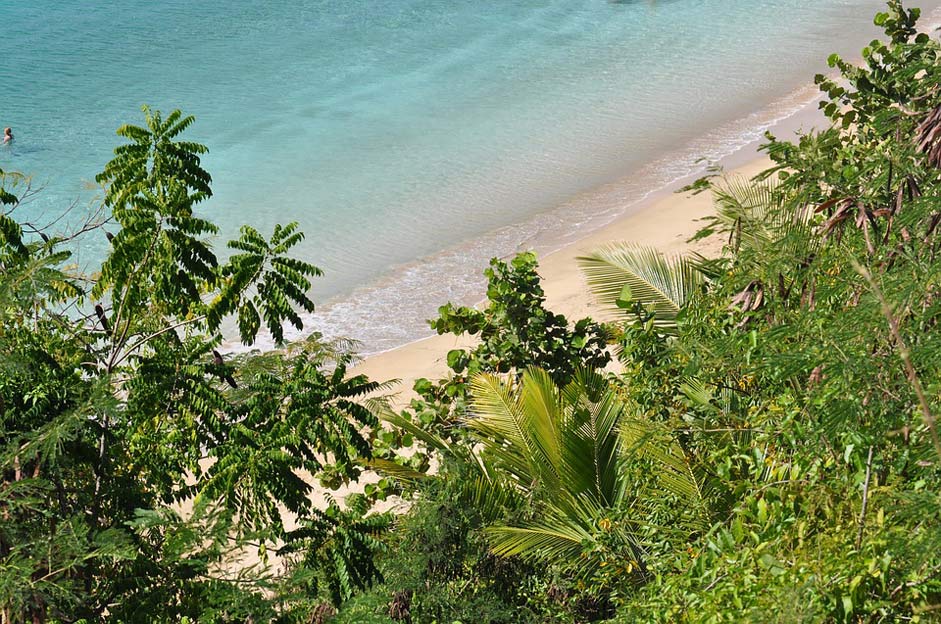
445	131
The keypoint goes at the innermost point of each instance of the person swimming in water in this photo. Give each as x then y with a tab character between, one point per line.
8	135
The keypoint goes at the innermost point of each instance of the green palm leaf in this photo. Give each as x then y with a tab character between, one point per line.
623	274
754	214
524	441
674	473
572	452
558	541
737	198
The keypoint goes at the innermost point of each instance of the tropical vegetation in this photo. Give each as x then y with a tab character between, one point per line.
750	436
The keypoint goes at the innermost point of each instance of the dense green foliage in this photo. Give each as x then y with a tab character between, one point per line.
516	331
797	374
765	450
138	464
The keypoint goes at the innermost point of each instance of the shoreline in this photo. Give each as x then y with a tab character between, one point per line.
730	145
664	222
662	218
413	291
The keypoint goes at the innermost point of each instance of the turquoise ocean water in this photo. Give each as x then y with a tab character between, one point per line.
412	139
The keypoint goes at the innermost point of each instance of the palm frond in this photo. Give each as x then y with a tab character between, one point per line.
522	439
756	213
491	495
574	453
738	198
386	415
593	449
396	471
674	473
623	274
548	542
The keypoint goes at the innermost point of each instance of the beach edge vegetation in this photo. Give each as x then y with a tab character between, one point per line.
766	447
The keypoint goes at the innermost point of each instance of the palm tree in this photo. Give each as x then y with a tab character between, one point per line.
746	210
622	275
590	469
750	212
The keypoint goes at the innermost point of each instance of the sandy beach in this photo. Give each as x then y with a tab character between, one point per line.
665	221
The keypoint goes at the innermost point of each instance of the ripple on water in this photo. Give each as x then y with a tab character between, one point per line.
411	139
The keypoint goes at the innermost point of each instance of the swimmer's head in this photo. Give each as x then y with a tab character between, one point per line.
8	131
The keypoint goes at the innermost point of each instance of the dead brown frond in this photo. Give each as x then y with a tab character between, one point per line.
928	137
400	609
322	614
751	298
